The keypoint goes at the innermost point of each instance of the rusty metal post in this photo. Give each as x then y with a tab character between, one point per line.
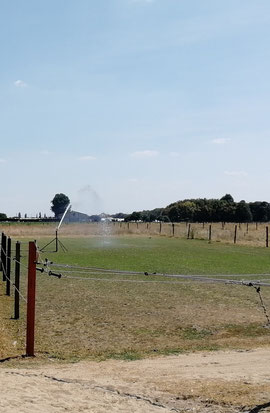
31	300
8	272
17	281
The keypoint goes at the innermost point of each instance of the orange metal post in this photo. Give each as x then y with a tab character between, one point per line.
31	300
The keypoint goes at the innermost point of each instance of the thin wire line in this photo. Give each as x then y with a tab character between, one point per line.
3	251
206	280
19	262
114	280
126	272
16	289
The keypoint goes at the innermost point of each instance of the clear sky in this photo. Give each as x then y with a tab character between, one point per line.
133	104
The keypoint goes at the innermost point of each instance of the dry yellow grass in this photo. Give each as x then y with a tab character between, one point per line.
253	234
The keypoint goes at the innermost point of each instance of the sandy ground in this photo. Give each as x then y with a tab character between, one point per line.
231	381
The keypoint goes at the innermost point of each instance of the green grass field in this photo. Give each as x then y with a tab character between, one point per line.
143	315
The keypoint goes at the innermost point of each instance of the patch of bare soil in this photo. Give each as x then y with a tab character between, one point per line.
220	382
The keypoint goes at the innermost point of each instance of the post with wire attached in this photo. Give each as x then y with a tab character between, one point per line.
31	300
4	256
1	254
17	281
8	266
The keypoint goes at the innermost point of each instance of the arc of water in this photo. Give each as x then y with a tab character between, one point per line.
64	214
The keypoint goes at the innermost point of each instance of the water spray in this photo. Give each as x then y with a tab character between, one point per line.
64	214
56	239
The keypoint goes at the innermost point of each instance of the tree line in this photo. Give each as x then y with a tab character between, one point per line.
224	209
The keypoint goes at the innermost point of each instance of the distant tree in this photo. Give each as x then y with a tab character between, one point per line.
59	204
227	198
164	218
119	215
3	216
135	216
260	211
19	215
242	212
174	214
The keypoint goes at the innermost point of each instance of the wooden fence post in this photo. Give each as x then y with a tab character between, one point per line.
210	233
188	234
266	237
31	300
235	234
160	227
173	229
17	281
8	266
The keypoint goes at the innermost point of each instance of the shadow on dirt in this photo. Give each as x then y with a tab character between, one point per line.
259	408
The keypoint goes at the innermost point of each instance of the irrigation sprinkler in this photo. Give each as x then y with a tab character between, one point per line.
56	239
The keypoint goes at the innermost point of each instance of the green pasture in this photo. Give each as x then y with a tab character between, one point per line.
101	315
168	255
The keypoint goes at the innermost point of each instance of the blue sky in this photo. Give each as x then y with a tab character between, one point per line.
133	104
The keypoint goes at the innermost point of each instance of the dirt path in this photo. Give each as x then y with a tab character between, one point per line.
221	382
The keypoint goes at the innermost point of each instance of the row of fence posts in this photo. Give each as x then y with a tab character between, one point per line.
5	267
190	232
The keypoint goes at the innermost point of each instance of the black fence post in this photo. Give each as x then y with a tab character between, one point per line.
266	237
4	256
17	281
1	254
8	266
210	233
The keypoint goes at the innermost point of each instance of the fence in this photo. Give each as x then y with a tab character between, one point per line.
241	233
6	267
254	234
85	274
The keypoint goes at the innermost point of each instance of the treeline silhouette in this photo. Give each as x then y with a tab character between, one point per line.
224	209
